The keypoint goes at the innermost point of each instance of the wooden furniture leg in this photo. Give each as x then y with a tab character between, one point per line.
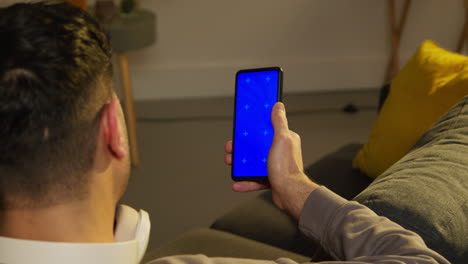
129	107
396	33
464	34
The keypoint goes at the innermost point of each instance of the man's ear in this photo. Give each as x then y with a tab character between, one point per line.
111	126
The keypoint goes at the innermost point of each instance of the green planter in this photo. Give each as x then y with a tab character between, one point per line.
128	6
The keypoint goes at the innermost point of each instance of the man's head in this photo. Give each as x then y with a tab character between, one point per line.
57	106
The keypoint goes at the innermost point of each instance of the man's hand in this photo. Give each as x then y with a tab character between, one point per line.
290	186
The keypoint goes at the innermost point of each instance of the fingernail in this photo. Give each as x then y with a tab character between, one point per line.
281	107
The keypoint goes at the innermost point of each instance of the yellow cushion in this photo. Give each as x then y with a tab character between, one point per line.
430	83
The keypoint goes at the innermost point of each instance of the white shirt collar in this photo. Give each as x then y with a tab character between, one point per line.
132	234
18	251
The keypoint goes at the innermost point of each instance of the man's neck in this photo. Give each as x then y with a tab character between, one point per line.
79	222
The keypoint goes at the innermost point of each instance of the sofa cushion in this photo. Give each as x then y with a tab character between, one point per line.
260	220
427	190
430	83
215	243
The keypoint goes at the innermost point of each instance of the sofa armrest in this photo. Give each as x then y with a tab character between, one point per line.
426	191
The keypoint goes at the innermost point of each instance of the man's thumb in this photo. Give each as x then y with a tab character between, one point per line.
278	117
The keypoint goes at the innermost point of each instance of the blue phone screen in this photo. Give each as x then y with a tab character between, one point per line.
256	93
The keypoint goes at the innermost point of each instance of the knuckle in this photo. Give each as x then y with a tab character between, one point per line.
296	136
283	137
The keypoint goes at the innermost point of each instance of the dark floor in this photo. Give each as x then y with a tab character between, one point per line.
182	180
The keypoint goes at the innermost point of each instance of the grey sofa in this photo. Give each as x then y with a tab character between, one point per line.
426	191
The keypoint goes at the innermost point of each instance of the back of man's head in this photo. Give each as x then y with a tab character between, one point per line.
55	72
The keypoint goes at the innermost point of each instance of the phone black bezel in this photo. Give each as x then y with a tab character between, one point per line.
278	99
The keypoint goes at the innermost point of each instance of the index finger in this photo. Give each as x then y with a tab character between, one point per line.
228	146
247	186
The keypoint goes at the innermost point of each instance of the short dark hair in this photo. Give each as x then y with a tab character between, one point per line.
55	78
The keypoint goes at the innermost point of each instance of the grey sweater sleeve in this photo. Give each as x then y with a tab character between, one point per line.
349	231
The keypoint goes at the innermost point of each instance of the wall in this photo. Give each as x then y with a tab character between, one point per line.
321	44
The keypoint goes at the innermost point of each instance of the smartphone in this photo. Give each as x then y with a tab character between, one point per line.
257	90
